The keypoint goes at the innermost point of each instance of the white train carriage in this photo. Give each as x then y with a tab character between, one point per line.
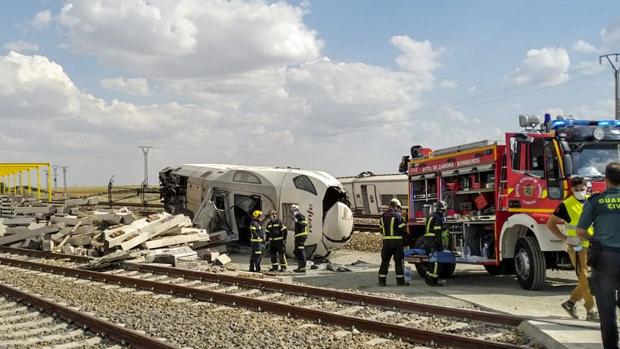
221	198
371	194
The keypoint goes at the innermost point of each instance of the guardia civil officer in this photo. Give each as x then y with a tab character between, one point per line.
603	212
301	233
393	230
276	235
257	239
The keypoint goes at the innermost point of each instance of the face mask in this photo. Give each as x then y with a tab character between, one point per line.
580	195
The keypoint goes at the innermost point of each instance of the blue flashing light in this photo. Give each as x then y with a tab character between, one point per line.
608	123
559	123
555	124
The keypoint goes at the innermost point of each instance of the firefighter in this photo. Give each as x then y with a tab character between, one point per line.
393	230
569	211
257	238
276	235
301	233
436	238
603	212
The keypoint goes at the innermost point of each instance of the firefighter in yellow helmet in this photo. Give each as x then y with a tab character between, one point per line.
257	240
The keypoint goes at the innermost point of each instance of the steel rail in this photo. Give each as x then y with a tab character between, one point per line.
335	295
406	333
116	332
43	254
302	290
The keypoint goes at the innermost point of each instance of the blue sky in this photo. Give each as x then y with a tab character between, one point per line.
357	82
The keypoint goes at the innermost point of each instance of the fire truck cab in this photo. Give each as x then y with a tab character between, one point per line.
500	195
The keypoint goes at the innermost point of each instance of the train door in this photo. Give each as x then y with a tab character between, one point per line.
243	207
369	197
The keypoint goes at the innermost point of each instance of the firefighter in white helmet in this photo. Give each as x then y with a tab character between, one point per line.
393	230
301	233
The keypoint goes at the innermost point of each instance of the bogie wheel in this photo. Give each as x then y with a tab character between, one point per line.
530	264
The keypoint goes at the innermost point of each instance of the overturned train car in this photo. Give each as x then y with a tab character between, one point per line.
220	198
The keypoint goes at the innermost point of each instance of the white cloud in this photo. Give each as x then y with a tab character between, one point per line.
547	66
246	83
584	47
448	84
21	46
471	88
132	87
418	57
190	38
610	36
42	19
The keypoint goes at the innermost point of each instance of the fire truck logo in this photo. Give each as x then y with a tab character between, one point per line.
528	190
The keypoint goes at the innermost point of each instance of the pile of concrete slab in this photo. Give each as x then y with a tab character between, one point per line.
76	227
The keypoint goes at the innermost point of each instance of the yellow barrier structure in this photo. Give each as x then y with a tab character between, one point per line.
11	173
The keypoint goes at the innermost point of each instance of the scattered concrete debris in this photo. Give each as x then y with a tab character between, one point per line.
76	227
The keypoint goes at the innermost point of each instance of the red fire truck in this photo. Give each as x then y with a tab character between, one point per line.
500	195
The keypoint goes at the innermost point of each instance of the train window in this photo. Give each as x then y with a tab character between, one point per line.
245	177
304	183
385	199
403	199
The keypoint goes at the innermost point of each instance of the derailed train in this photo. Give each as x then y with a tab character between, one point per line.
220	198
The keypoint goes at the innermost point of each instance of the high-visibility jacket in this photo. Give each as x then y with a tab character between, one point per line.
301	226
257	234
392	225
276	231
574	208
435	227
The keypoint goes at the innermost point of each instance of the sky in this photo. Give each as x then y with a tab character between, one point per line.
340	86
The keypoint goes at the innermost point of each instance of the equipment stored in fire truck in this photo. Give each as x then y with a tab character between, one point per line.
500	195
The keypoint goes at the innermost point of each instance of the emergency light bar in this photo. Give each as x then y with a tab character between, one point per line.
555	124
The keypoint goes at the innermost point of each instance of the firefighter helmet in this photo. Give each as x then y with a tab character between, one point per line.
395	202
294	208
257	214
442	205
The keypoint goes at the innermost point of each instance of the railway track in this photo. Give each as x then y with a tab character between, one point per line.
406	320
28	321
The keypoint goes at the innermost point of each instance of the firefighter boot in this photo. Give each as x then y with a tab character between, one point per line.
401	282
382	282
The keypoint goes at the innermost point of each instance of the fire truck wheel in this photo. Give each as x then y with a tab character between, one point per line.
530	264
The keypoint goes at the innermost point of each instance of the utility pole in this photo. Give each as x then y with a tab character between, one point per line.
616	68
145	152
145	182
55	167
64	179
